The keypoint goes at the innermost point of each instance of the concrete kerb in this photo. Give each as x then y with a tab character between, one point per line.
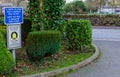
67	69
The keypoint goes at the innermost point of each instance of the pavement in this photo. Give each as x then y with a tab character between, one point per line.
106	27
106	34
108	65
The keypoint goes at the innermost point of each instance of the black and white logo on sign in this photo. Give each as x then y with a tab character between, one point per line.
14	35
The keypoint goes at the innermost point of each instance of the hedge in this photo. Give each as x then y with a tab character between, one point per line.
78	34
6	59
41	43
97	19
3	32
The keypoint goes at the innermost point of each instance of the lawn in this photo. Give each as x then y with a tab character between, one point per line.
49	63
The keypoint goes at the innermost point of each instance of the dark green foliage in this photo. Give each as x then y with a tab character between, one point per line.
36	14
6	59
46	14
75	7
41	43
26	28
53	10
2	37
79	34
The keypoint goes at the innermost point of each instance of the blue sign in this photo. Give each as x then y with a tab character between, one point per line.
13	15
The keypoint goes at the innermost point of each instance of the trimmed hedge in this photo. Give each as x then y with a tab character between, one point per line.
41	43
79	34
6	59
97	19
3	37
3	30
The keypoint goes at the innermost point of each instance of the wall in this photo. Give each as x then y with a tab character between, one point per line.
97	20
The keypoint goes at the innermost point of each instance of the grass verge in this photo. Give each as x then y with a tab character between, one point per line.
49	63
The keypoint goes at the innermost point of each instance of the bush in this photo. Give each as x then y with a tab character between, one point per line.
6	59
79	34
2	27
3	35
41	43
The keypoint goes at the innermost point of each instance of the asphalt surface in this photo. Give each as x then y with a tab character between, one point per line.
106	34
108	65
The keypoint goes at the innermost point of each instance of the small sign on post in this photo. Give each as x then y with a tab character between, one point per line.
13	37
13	18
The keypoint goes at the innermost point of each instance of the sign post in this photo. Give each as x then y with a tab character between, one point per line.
13	18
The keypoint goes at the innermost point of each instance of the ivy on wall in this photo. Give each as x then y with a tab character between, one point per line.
53	10
46	14
35	12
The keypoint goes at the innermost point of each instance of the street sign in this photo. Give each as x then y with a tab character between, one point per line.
13	15
13	36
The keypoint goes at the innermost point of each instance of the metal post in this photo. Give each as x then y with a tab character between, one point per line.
14	55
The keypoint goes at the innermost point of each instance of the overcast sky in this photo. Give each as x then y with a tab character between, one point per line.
69	0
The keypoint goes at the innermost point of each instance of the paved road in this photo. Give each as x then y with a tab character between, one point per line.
106	34
108	65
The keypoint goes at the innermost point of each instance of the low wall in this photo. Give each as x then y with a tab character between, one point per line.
97	20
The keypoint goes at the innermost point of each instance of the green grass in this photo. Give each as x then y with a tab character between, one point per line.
64	59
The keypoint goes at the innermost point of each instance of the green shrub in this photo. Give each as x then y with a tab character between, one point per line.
4	31
79	34
3	36
41	43
2	27
6	59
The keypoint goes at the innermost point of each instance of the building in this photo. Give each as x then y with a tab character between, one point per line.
109	10
2	5
11	3
8	1
110	7
15	2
